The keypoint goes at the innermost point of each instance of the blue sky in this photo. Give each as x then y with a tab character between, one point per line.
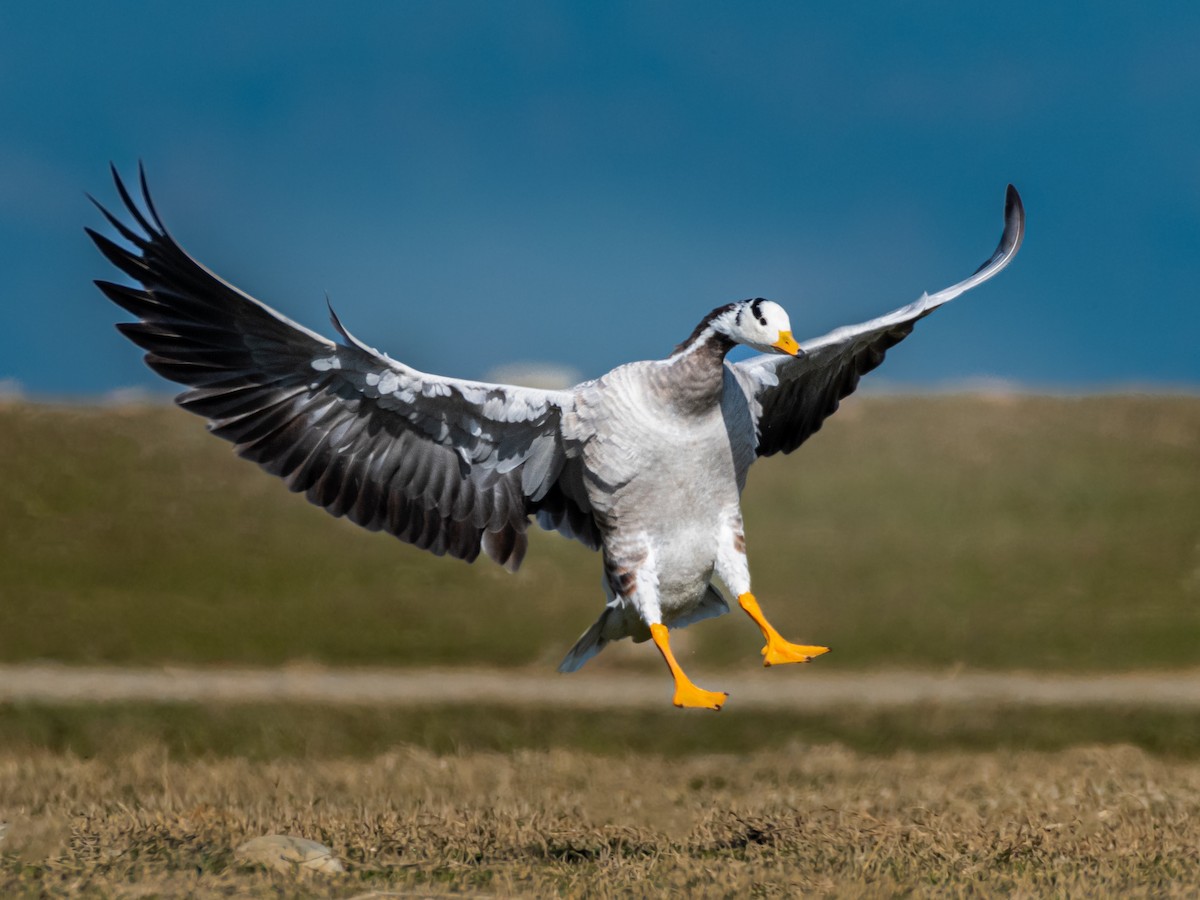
476	184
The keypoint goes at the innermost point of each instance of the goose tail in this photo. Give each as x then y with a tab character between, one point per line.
589	644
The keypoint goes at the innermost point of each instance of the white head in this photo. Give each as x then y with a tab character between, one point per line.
761	324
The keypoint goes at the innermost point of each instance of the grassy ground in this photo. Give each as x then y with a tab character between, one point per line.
913	532
265	732
770	823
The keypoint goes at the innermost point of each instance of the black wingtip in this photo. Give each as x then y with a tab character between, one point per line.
128	201
148	199
1014	221
1013	207
127	262
124	230
337	323
1014	230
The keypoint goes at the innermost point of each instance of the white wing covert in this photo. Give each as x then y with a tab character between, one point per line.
448	465
794	395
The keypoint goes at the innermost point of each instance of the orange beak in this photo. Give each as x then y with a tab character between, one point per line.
786	344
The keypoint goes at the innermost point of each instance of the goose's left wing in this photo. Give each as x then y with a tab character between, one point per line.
794	395
449	465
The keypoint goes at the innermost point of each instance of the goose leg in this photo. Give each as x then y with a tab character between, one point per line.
734	570
777	651
632	577
686	694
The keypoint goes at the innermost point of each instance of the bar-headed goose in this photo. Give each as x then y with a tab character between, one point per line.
646	463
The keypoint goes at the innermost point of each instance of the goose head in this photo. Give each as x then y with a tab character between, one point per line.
760	324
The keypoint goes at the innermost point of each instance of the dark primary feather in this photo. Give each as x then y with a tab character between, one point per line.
795	411
435	471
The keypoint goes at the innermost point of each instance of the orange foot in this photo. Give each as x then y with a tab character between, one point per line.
778	651
688	696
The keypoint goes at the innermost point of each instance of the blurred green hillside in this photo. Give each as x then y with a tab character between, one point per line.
922	532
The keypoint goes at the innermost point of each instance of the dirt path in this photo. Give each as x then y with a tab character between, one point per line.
797	689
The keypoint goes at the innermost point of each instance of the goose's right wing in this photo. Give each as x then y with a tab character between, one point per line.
449	465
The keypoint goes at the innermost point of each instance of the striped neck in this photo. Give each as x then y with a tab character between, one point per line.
706	326
695	372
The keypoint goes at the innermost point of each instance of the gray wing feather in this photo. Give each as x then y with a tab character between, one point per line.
797	394
451	466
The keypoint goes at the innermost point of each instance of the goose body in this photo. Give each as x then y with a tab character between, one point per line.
646	464
674	439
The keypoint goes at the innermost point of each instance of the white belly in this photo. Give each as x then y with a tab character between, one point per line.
676	504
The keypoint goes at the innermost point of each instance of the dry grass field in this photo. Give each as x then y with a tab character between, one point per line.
819	820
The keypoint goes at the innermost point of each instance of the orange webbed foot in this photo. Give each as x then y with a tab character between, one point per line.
688	696
778	652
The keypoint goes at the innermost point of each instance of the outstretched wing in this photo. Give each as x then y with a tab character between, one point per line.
451	466
796	394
